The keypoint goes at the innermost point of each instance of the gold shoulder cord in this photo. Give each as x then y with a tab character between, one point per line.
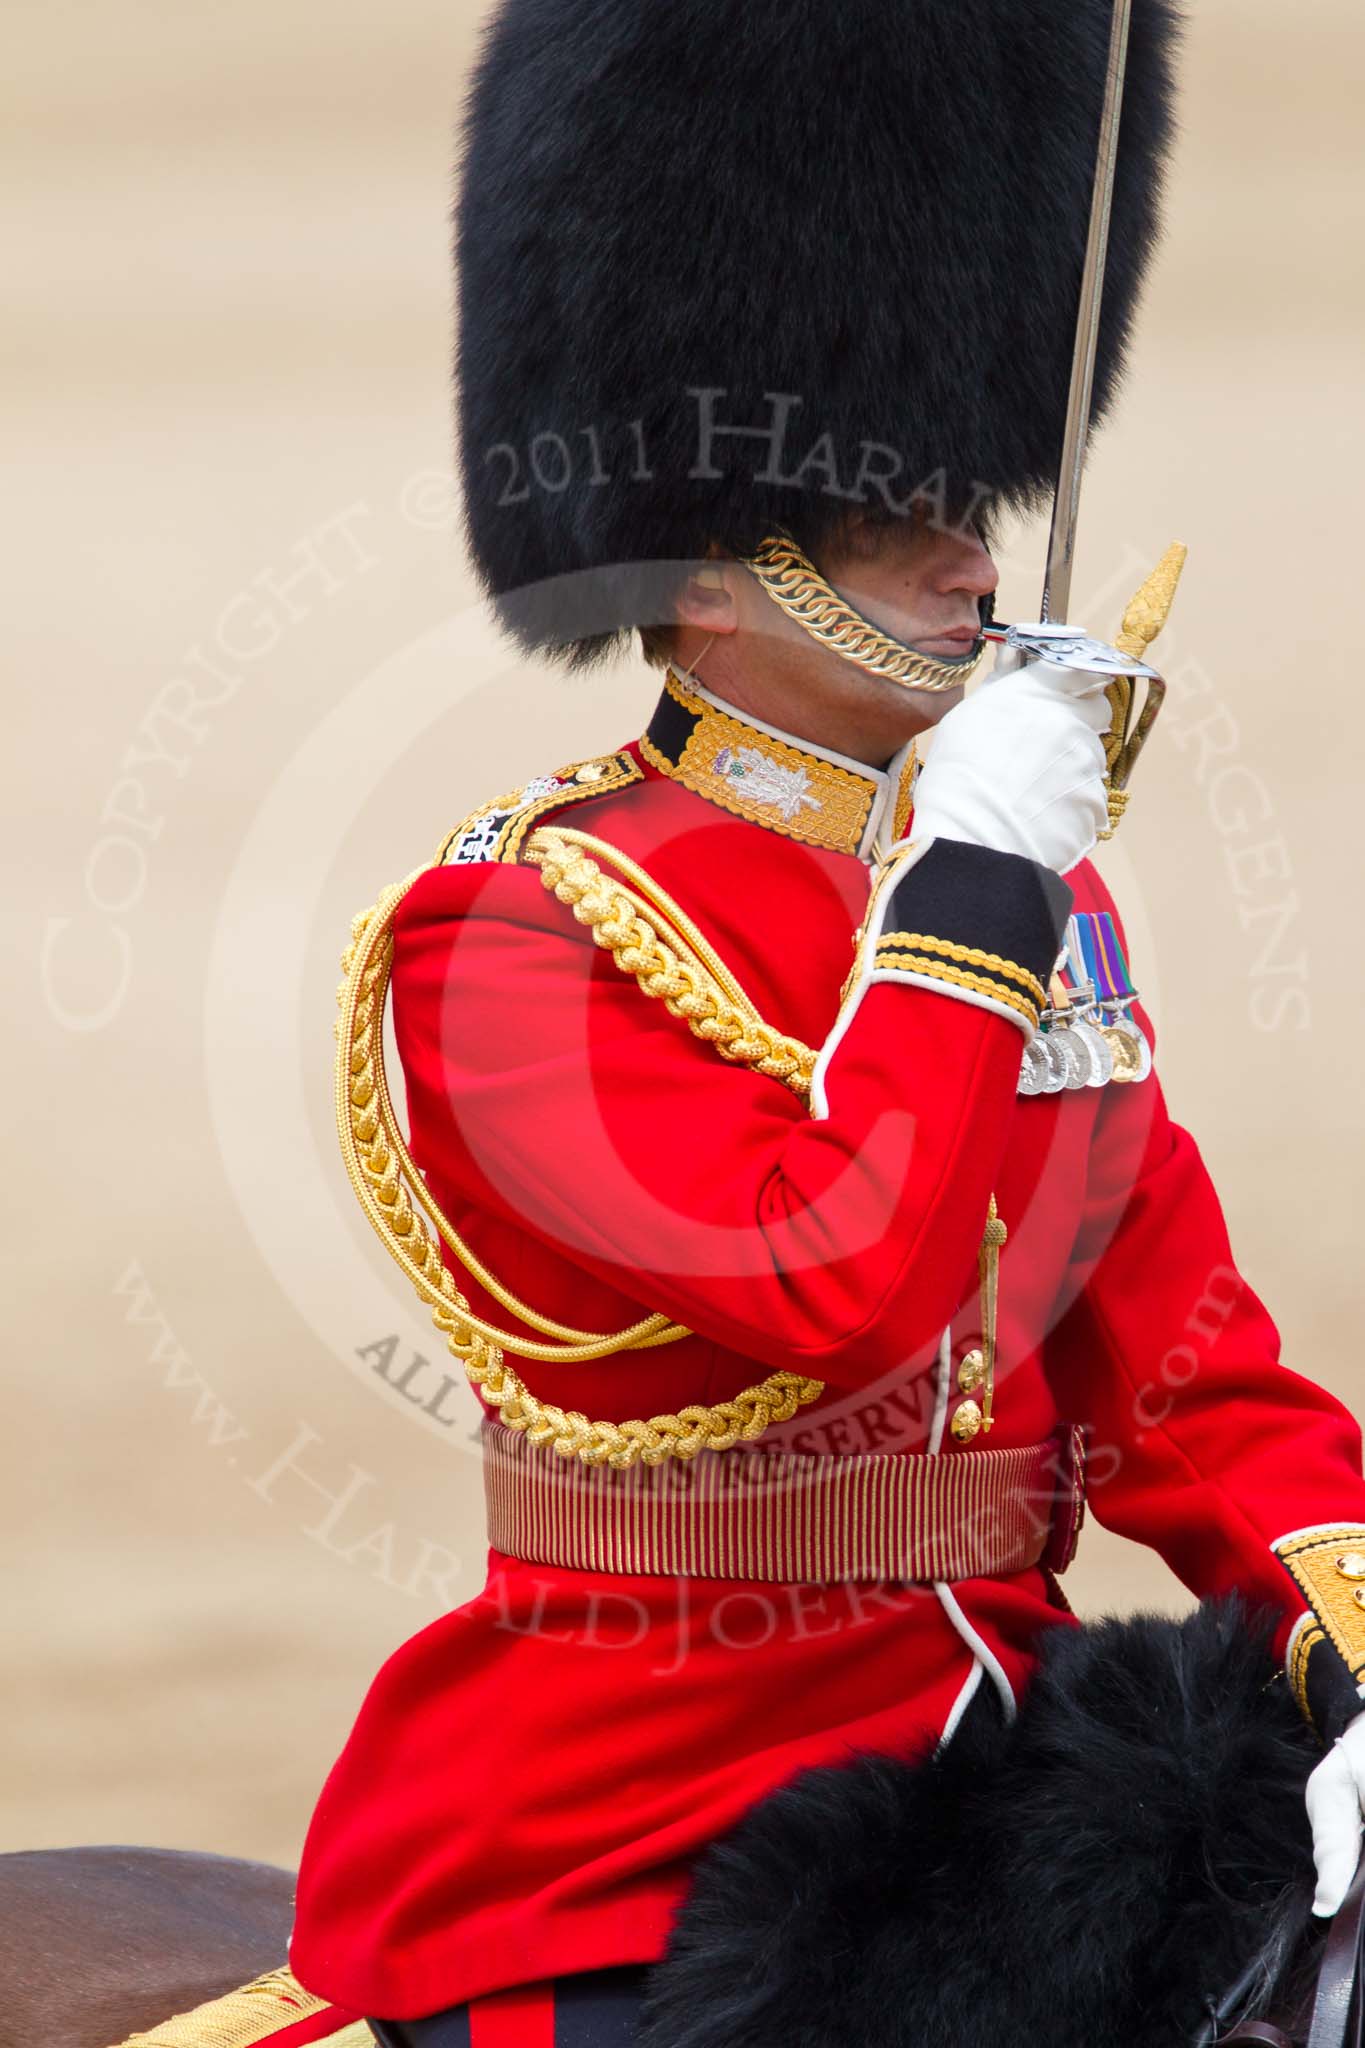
685	973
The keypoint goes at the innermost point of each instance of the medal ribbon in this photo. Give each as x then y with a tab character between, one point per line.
1065	970
1094	948
1075	969
1117	979
1092	963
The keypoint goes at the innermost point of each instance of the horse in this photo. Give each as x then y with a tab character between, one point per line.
103	1942
1129	1855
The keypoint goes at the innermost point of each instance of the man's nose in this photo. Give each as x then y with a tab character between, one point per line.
965	564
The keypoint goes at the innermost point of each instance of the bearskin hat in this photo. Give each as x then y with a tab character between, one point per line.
730	266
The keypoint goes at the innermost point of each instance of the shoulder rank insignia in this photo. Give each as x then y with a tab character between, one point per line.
1087	1035
495	831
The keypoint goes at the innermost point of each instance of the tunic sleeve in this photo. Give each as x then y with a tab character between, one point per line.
1204	1444
565	1099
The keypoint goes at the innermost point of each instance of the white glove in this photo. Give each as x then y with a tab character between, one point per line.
1335	1790
1019	765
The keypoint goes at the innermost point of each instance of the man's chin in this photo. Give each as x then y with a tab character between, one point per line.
933	704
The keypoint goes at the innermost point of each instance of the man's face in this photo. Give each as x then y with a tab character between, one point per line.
920	582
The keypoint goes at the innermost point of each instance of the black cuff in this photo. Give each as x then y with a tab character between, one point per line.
979	924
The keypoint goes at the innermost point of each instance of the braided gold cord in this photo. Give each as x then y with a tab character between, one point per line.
396	1182
676	970
410	1225
668	907
655	1329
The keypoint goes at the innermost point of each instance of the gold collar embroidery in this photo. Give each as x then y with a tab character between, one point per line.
771	778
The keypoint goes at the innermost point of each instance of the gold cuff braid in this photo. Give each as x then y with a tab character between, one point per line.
1305	1641
896	960
1327	1564
994	964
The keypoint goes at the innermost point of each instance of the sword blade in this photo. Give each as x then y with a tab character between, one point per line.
1061	544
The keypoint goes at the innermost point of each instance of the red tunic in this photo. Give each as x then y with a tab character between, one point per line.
530	1778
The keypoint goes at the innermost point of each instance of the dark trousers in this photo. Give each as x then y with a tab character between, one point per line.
594	2009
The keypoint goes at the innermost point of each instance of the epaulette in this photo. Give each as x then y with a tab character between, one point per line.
495	830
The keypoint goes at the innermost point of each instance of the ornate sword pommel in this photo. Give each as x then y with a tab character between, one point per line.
1123	665
1150	607
1133	720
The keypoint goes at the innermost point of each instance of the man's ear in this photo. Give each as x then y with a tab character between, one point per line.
707	598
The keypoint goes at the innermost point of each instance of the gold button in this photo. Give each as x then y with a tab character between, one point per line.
966	1421
1359	1596
971	1372
591	771
1351	1565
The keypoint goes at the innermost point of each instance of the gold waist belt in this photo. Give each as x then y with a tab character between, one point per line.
787	1516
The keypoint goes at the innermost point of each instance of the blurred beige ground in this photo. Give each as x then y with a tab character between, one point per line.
229	324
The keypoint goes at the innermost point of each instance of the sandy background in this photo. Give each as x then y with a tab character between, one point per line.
229	316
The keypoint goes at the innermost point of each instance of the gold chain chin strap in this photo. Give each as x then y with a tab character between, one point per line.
788	576
411	1226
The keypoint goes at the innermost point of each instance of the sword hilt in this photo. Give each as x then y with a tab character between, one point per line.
1133	716
1144	618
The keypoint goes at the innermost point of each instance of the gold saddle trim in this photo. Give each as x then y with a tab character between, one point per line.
249	2016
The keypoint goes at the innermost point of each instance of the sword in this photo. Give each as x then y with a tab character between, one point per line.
1051	639
1066	503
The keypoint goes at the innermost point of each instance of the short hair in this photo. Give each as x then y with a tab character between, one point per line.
659	644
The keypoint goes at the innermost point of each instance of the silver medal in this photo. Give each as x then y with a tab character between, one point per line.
1054	1063
1101	1055
1074	1055
1033	1068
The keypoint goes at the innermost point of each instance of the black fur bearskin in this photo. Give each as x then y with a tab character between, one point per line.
878	209
1090	1877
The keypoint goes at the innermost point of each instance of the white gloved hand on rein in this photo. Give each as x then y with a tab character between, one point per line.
1335	1790
1019	765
